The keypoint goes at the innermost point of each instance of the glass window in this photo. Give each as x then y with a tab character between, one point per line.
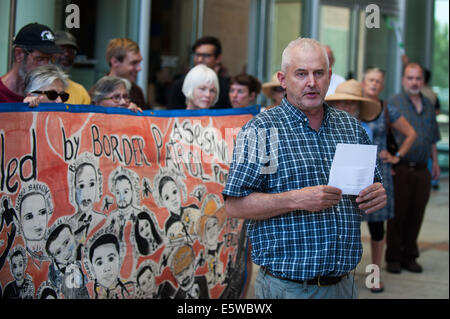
286	27
439	78
334	30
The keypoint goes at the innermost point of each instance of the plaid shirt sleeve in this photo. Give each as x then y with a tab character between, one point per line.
245	171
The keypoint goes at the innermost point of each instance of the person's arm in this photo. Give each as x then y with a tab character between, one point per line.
435	169
259	206
404	127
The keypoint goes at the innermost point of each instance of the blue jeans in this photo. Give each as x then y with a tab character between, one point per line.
269	287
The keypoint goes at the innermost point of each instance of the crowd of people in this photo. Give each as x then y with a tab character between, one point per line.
304	234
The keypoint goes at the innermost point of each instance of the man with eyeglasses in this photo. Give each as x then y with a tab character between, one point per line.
68	44
207	51
33	46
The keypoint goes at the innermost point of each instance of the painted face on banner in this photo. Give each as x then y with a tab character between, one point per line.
63	248
171	197
18	267
124	193
85	187
34	217
147	281
185	277
144	228
211	232
106	264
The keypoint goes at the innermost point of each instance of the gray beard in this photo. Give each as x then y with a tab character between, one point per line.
23	73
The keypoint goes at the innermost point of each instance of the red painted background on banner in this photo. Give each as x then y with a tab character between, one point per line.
118	206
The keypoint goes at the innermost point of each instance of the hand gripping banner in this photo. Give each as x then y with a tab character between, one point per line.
102	203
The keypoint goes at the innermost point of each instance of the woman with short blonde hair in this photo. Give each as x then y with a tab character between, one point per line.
201	88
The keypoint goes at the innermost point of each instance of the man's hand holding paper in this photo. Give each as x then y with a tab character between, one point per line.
353	170
372	198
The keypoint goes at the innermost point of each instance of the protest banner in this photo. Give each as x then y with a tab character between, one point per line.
102	202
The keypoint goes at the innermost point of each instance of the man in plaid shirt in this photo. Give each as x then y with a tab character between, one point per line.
305	235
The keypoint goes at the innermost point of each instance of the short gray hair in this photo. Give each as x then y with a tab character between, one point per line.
197	76
44	76
107	85
302	43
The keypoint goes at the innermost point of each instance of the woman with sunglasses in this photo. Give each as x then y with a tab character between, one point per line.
46	84
113	91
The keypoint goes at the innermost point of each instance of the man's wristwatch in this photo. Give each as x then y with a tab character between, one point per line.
398	155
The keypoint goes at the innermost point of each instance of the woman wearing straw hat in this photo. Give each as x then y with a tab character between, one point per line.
349	97
373	84
273	91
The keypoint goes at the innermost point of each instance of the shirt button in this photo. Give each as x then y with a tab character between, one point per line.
338	262
340	236
337	208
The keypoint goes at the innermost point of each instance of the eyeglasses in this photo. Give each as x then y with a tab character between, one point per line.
53	95
203	55
39	59
117	97
68	49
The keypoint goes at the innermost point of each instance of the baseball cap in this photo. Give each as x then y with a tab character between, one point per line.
35	36
65	38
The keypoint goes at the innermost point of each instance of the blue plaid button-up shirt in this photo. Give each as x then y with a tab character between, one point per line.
277	151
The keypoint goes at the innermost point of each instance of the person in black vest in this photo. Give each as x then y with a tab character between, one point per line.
208	51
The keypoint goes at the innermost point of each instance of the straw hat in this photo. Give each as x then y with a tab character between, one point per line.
352	90
267	87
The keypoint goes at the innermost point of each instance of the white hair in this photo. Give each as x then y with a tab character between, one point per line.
44	76
197	76
106	85
302	44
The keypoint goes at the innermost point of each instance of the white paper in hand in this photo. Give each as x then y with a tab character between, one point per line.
353	167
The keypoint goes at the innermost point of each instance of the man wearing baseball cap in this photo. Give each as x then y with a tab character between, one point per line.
68	44
33	46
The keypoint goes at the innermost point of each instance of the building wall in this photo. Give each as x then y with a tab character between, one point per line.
228	21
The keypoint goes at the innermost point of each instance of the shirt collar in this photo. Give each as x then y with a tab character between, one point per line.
298	116
409	99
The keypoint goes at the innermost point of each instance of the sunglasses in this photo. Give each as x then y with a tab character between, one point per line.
53	95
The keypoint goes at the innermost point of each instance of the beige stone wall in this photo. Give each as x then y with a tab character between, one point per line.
229	21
